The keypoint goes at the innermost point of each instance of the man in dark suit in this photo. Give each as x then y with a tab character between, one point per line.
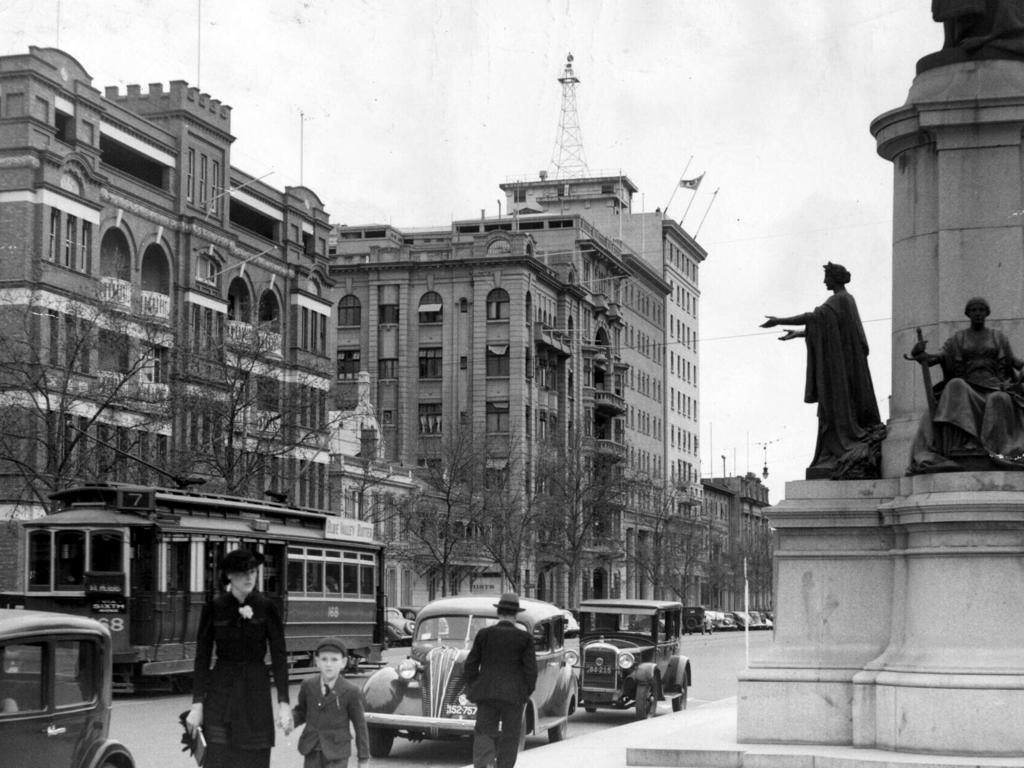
501	670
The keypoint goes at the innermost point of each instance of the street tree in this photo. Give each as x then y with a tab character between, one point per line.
671	544
581	492
442	519
79	392
249	428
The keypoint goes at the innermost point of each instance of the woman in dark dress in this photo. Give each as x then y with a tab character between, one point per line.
232	700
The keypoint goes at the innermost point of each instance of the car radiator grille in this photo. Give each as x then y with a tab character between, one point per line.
599	668
443	682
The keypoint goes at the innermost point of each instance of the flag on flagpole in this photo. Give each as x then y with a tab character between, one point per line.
691	183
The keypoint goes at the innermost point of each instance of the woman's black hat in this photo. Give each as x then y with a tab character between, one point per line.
240	561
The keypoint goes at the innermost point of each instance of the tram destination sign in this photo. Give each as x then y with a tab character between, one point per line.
103	585
347	528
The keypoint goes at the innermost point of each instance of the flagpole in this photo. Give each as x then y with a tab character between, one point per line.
676	187
705	214
692	198
746	610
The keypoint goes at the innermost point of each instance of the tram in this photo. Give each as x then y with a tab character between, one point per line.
143	560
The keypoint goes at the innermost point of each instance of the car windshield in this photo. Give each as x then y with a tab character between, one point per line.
453	631
618	622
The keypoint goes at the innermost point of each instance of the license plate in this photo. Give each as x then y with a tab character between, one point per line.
596	669
460	710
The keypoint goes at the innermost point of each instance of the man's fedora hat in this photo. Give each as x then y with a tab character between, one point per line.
240	561
509	603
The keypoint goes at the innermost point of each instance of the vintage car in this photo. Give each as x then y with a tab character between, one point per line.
424	695
631	655
55	692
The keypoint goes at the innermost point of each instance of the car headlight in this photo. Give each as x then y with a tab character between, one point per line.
408	668
626	660
572	658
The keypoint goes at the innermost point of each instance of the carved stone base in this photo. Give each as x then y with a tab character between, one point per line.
899	612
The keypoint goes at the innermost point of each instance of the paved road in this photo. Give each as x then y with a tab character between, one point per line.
148	725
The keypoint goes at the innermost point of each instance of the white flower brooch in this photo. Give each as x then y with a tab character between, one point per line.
245	611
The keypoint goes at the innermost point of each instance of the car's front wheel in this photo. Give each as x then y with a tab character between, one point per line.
381	740
679	702
559	732
645	701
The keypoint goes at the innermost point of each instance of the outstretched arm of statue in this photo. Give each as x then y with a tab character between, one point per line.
792	335
772	321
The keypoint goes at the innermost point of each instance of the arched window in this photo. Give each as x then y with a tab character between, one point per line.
349	311
497	304
239	304
270	312
115	256
529	307
430	307
155	271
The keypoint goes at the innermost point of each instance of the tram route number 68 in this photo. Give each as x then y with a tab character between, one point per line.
113	623
333	611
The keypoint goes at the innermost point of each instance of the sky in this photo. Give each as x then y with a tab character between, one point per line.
412	112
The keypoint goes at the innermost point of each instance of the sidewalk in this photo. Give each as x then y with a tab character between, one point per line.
709	724
705	737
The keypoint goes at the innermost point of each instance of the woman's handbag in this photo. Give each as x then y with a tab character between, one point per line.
193	740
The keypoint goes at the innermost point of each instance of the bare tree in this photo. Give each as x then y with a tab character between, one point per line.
510	514
79	391
581	492
243	416
671	547
442	521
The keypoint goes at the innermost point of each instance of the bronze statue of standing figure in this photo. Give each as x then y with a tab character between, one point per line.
976	414
850	430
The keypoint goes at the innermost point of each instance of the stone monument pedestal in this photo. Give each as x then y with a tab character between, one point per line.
900	601
900	608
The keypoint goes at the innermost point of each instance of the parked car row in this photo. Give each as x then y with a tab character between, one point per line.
704	621
629	659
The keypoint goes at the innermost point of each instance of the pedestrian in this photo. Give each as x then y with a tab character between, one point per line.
331	708
231	701
501	672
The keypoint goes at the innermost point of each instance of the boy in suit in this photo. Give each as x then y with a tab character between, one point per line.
501	671
328	704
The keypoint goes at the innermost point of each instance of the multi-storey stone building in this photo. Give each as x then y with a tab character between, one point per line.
540	324
177	308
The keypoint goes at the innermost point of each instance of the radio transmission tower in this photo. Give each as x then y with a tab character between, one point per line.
567	159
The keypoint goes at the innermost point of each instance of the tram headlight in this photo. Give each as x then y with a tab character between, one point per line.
408	668
626	660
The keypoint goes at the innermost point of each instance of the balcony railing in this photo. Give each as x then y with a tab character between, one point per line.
609	401
156	304
240	332
116	291
610	447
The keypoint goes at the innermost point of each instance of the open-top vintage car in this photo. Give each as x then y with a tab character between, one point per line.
424	695
631	655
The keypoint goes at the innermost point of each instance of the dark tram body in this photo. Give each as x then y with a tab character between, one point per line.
143	560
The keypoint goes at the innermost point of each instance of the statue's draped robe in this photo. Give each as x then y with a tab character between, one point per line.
838	379
992	26
980	405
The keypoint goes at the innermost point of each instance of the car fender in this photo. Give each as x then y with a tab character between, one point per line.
677	674
383	690
109	751
646	673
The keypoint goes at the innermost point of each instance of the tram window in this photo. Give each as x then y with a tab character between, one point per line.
70	547
39	560
333	579
350	583
366	580
74	669
295	575
314	577
177	566
105	552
